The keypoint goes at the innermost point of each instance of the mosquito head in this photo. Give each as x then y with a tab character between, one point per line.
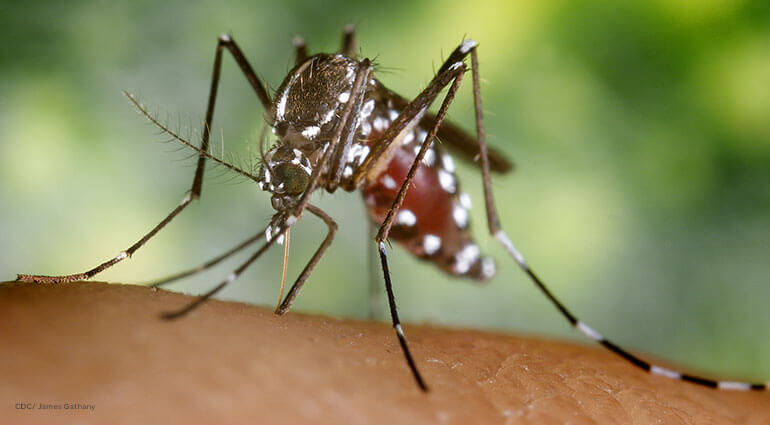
285	173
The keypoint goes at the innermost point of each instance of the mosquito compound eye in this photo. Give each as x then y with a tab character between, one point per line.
294	178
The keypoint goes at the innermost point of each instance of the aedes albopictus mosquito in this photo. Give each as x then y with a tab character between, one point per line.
337	126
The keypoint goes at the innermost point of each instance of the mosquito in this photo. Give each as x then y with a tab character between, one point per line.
337	126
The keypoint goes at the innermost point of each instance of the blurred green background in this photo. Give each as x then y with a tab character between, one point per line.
641	134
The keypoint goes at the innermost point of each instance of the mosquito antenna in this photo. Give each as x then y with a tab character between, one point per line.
185	142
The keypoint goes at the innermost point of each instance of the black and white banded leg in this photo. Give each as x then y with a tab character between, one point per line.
224	42
287	302
495	230
230	279
207	265
396	321
451	72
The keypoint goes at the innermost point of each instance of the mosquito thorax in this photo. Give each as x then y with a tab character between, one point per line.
303	117
310	99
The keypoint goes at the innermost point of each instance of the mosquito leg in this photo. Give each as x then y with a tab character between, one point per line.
495	229
451	71
375	293
107	264
292	294
492	220
347	129
207	265
457	74
349	41
466	146
224	42
205	297
456	139
412	111
382	235
396	320
300	50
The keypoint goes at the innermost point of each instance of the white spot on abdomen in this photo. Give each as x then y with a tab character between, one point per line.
431	244
488	267
448	163
406	217
447	181
460	215
388	182
465	258
465	201
408	137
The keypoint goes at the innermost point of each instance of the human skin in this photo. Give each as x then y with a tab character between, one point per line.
226	362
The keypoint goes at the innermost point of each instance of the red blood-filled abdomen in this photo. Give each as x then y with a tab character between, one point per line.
432	223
